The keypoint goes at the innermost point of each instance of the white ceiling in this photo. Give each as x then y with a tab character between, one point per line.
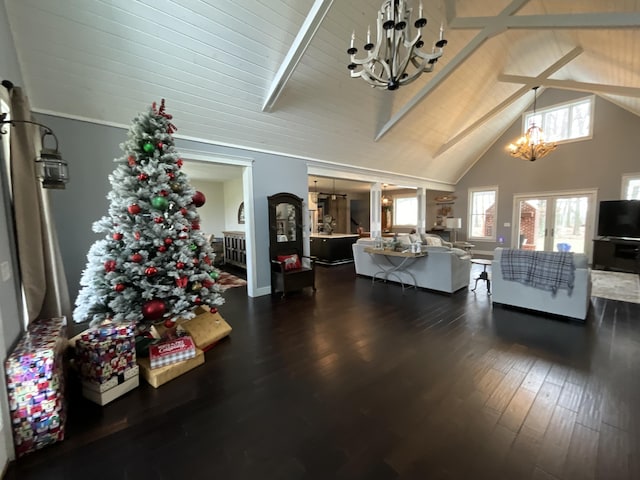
215	62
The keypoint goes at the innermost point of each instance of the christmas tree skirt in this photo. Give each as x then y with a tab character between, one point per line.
205	328
162	375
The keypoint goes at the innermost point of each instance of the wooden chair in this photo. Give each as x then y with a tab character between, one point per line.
291	270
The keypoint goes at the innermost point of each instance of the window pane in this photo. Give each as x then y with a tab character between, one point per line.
556	124
580	120
482	214
406	210
633	189
563	122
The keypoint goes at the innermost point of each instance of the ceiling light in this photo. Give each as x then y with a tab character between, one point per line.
396	57
532	145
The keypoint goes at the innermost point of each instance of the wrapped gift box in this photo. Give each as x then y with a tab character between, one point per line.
105	352
172	351
206	328
162	375
35	385
103	393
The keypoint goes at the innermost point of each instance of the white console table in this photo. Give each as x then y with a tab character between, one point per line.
392	268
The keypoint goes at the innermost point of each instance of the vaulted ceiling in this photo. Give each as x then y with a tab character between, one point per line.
272	76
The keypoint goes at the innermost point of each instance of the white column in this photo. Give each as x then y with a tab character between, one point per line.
375	216
421	196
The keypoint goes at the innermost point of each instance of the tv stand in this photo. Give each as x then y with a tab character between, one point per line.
617	254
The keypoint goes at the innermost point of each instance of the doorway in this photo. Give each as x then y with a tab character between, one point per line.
555	222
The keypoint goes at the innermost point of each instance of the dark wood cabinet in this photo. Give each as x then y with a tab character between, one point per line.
333	249
616	254
235	249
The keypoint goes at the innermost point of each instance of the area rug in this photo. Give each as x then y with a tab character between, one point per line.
615	286
227	281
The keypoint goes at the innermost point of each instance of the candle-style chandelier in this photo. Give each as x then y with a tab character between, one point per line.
396	57
531	146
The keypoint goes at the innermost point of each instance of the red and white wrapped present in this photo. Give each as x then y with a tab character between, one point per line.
173	351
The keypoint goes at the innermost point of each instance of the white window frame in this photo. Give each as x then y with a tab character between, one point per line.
471	192
627	178
559	106
395	210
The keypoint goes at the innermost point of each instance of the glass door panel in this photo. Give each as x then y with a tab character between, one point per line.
532	223
570	219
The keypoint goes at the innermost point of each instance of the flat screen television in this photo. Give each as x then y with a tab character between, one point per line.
619	218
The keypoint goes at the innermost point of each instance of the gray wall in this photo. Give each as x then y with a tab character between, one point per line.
90	149
596	163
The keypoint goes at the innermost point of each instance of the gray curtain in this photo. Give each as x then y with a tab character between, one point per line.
41	271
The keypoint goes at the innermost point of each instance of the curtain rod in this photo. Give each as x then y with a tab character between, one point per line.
7	84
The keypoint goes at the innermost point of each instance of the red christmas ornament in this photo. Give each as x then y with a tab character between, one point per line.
160	145
183	211
183	236
136	235
119	287
196	261
182	282
195	226
150	271
109	265
134	209
158	219
132	160
136	257
179	265
168	241
162	248
198	199
169	323
117	236
207	283
142	177
171	175
179	163
197	300
213	310
164	193
207	260
153	309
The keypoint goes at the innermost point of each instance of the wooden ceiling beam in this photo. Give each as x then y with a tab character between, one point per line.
298	47
530	82
573	85
493	27
563	21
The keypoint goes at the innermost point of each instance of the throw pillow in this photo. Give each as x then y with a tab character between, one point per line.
433	240
404	240
291	262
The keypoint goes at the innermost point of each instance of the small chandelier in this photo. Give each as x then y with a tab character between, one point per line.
397	46
51	169
532	145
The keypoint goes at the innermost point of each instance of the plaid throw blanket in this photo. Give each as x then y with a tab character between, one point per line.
544	270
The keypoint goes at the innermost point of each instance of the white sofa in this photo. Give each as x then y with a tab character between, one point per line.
573	304
443	269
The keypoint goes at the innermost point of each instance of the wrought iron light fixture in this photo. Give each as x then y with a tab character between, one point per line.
396	57
51	169
532	145
385	200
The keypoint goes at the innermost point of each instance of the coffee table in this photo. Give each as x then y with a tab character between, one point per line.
484	275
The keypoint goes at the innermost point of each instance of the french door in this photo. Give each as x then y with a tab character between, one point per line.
555	222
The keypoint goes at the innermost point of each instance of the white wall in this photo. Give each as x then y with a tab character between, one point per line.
233	197
212	213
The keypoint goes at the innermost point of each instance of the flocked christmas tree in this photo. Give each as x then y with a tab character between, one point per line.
154	263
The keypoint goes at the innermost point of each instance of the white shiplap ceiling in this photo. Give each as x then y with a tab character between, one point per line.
215	62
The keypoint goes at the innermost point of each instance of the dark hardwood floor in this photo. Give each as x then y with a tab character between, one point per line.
363	382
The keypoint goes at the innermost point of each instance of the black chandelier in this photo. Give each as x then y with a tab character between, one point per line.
396	57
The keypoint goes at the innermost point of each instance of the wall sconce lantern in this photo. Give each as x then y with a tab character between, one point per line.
51	169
